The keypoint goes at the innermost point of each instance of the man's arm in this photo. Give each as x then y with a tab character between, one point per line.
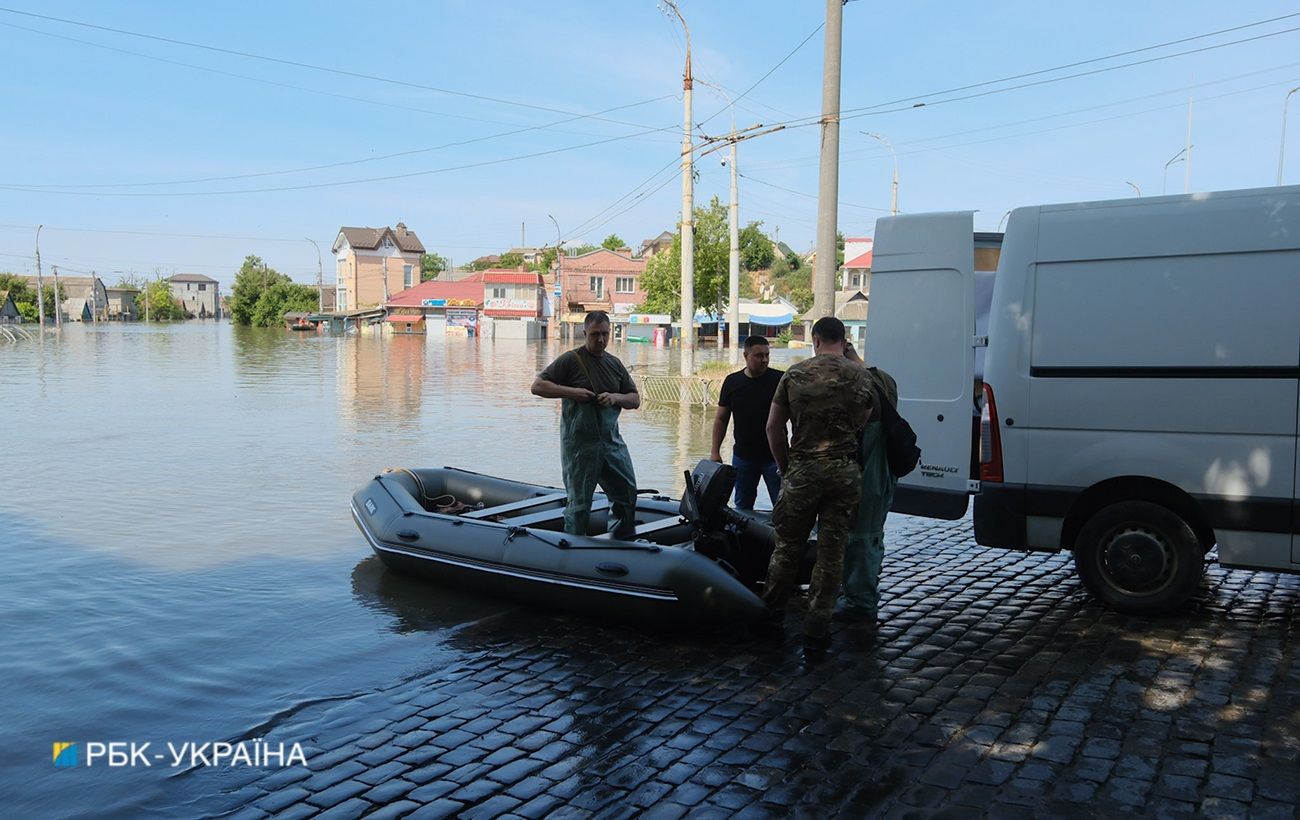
550	390
627	401
720	420
777	417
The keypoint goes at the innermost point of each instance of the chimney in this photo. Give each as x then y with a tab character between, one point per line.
401	229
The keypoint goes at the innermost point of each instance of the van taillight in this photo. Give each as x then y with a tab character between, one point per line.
990	439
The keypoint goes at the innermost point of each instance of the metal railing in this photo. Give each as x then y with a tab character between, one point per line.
680	390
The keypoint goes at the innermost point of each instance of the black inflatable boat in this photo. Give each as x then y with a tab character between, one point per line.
693	561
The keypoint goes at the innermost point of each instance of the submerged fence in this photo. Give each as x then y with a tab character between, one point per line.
687	390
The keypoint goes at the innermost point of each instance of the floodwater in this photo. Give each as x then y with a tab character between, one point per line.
179	560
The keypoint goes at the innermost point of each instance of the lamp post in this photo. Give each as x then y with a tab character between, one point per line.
733	225
688	208
1164	187
1134	186
1003	221
557	294
320	278
893	200
828	176
40	290
1282	147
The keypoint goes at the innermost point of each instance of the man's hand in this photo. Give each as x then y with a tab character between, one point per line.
608	399
581	395
715	456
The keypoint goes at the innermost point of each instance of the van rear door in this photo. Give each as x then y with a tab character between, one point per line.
921	330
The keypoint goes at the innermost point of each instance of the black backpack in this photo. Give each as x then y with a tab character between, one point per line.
900	439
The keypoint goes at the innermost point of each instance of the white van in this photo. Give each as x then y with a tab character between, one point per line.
1139	361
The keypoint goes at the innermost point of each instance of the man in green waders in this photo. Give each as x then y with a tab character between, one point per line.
593	387
865	552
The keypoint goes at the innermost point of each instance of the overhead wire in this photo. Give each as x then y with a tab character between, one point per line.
313	67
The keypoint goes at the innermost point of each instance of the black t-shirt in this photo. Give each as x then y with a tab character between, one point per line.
749	401
608	373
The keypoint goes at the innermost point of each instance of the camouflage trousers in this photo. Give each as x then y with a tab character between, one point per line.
822	491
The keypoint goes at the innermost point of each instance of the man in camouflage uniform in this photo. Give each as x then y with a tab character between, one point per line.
865	551
827	400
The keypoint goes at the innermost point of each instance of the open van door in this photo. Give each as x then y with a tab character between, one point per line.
921	330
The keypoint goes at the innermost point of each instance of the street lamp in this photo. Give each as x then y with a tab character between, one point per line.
557	295
1281	151
320	278
1003	221
40	289
733	224
688	208
893	202
1134	186
1164	187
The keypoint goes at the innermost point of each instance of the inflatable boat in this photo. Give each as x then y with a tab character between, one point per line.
691	561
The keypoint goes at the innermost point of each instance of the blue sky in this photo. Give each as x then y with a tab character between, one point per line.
88	107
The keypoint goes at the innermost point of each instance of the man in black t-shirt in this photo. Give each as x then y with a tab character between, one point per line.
747	395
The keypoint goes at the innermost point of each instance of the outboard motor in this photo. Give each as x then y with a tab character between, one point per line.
704	502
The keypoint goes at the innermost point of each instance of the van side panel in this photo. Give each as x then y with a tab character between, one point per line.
1156	339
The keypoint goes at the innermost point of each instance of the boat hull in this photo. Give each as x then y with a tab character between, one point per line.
655	583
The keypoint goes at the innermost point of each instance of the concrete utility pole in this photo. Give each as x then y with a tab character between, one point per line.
58	308
320	278
40	290
828	188
1187	169
733	258
1282	148
688	210
385	264
557	293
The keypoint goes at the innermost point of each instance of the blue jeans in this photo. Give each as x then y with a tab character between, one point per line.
747	475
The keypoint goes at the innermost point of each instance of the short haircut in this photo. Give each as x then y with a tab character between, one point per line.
595	317
750	341
829	329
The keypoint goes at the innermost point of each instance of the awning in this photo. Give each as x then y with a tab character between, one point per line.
406	320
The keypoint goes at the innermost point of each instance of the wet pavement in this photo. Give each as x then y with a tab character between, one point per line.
996	687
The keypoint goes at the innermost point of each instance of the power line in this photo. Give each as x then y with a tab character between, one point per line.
881	108
811	196
297	64
57	188
757	82
339	183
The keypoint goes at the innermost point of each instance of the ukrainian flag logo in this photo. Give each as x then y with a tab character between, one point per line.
65	754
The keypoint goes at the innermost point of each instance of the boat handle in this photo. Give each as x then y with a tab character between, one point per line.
408	535
610	568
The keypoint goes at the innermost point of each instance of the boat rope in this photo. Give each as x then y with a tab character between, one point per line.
566	544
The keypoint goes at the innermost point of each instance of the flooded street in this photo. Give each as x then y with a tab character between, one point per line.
180	561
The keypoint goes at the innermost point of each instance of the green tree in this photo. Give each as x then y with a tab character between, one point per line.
613	243
794	260
431	264
839	250
284	296
756	251
545	261
262	295
24	296
579	250
155	300
511	260
662	278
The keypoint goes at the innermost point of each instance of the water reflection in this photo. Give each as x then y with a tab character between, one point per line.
416	605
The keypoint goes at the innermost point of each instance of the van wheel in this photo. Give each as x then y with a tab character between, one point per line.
1139	558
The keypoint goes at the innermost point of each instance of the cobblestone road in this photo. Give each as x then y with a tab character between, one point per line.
996	687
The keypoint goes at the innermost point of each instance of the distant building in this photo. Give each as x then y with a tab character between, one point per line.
650	247
373	264
198	295
601	280
531	256
513	294
856	272
84	297
9	314
122	305
439	305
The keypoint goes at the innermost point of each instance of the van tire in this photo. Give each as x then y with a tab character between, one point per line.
1139	558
